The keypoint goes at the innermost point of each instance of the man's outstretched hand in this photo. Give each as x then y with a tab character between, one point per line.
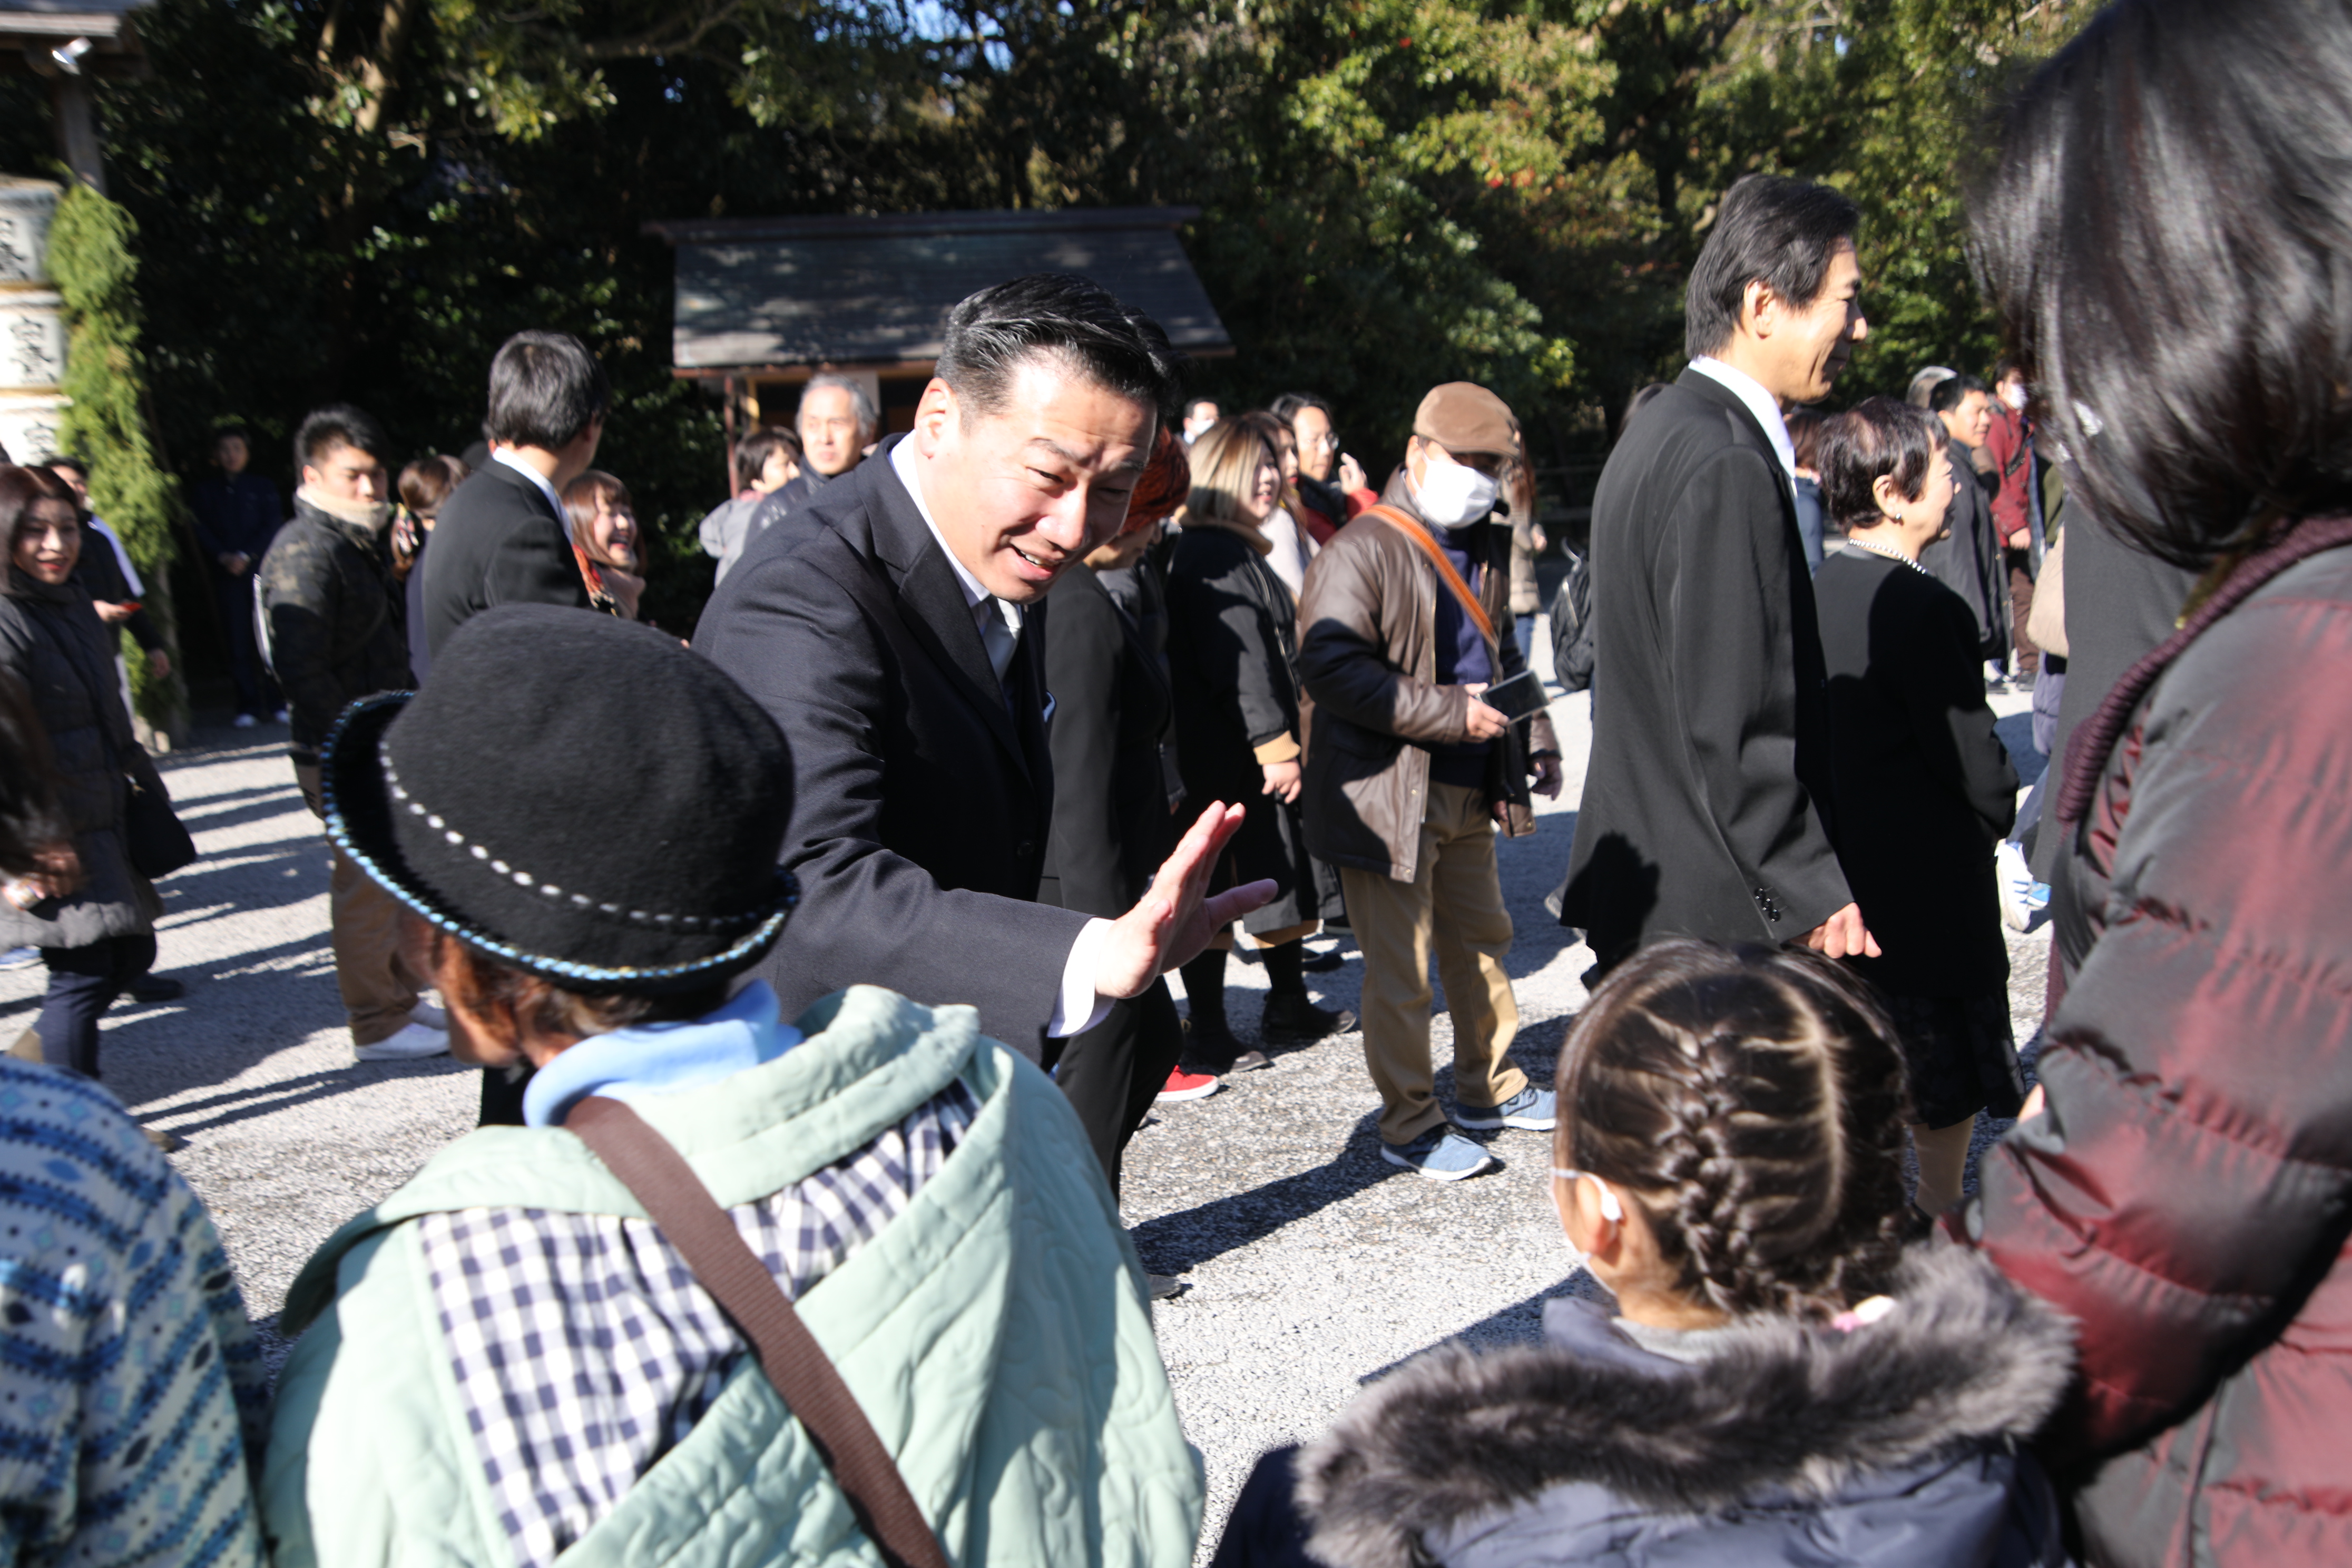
1174	921
1843	935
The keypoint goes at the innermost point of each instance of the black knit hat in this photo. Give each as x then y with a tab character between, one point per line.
578	797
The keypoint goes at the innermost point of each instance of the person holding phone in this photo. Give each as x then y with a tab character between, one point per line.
1408	772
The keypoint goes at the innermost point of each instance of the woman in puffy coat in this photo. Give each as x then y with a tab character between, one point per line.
100	935
2165	234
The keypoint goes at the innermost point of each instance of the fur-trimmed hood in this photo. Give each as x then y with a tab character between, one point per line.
1787	1412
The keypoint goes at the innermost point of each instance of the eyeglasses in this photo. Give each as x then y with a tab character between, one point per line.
1611	1209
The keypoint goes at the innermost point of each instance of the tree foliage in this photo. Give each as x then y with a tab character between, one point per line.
360	198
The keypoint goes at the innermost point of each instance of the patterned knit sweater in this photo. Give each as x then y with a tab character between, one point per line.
132	1396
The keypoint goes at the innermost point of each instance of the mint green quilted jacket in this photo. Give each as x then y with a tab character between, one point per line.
997	1334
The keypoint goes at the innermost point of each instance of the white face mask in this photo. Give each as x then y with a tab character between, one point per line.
2014	395
1452	495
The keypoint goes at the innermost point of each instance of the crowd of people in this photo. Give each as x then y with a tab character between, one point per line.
791	1232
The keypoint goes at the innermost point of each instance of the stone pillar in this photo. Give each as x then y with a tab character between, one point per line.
32	322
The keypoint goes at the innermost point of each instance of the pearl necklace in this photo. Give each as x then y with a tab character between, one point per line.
1890	554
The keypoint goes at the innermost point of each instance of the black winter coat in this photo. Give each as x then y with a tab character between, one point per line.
1922	789
1111	711
1969	561
2186	1198
1703	800
1233	644
53	642
1891	1446
337	621
237	514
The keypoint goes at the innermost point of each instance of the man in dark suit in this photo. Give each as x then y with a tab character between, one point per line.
502	538
1702	810
1968	560
896	638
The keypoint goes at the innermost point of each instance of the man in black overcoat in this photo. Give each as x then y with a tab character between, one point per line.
896	640
502	537
1703	801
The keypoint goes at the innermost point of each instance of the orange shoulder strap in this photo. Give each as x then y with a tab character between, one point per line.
1446	574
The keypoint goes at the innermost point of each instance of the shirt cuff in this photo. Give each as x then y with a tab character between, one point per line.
1079	1000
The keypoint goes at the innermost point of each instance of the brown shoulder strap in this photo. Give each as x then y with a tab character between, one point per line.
1445	573
691	1220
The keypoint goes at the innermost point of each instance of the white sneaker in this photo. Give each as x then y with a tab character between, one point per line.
244	721
411	1043
2018	904
432	1018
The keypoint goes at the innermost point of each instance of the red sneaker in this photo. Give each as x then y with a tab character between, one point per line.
1182	1085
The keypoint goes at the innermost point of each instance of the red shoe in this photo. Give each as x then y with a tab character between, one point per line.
1182	1085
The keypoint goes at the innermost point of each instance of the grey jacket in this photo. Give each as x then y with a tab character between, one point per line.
52	641
1898	1443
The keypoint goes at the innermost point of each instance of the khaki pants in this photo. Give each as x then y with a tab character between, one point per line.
379	989
1454	904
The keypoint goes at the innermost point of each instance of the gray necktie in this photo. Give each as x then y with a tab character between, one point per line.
996	636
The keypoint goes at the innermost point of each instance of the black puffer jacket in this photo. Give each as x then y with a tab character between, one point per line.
1785	1441
337	620
52	641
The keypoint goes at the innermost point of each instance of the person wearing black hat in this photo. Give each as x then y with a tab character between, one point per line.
1408	772
504	1361
1704	801
895	635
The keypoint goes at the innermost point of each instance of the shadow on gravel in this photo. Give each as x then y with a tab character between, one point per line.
1180	1242
262	1099
1520	1323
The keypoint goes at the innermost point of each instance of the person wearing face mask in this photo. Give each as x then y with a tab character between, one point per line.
1705	809
1408	773
337	632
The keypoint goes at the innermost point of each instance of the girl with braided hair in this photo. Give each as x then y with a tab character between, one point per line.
1781	1378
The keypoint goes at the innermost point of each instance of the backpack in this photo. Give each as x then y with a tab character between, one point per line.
1571	625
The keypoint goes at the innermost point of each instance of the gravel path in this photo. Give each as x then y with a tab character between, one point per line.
1313	1264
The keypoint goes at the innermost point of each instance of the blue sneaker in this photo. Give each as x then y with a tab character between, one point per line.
1440	1153
1532	1110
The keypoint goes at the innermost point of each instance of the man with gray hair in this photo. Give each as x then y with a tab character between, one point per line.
836	423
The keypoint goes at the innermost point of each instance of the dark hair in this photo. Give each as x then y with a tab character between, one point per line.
1805	435
1951	391
1060	316
580	496
1285	407
339	425
1193	403
1778	232
1751	1100
752	453
20	487
1877	436
29	819
543	1006
545	389
2006	366
425	483
54	460
2163	235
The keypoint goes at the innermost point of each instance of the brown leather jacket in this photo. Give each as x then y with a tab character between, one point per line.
1367	660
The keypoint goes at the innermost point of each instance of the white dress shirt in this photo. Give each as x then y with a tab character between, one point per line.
1760	403
1079	999
514	460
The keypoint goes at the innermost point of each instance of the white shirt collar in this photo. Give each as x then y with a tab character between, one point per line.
902	463
1760	403
513	459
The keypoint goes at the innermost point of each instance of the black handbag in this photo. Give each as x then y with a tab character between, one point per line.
152	834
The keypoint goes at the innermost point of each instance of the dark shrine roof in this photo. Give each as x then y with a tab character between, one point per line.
776	292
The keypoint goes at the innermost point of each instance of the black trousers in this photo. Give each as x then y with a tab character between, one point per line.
257	693
1114	1071
83	983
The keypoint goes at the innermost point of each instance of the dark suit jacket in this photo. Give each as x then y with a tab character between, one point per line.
922	794
1112	709
1702	811
1969	563
1923	787
496	542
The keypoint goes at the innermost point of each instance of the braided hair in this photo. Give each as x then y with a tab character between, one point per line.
1751	1100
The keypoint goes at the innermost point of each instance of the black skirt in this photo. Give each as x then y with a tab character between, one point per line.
1961	1056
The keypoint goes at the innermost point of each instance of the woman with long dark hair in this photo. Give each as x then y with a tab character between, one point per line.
97	932
2165	233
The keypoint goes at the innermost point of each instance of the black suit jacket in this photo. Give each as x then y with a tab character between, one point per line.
1969	562
1703	804
923	795
496	542
1111	708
